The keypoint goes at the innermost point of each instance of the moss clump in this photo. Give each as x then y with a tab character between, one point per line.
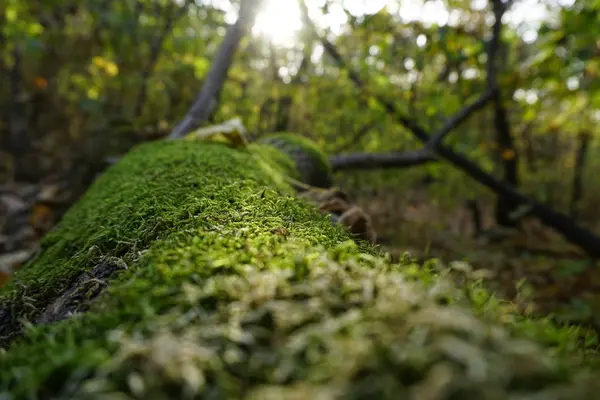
311	162
225	285
155	190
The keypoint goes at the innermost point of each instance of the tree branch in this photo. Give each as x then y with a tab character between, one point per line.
458	119
357	136
401	159
491	90
572	232
206	101
499	9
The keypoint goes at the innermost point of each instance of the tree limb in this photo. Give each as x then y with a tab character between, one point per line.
401	159
206	101
491	90
506	147
357	136
459	118
577	185
571	231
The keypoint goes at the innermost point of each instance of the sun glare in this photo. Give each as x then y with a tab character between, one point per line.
279	21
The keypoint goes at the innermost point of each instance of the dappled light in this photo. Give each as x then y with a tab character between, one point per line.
279	21
276	199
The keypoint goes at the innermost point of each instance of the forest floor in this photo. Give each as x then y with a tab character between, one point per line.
534	266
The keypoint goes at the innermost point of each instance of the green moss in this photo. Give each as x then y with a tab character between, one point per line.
311	162
234	288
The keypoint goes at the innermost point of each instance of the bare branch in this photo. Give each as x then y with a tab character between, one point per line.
459	118
206	101
499	9
401	159
491	90
573	232
357	136
577	186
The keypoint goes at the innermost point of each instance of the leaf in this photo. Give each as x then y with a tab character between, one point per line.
40	216
231	132
111	68
11	14
529	115
99	62
11	262
573	267
201	66
40	82
508	154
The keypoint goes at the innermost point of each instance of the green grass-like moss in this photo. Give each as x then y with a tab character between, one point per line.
313	165
235	289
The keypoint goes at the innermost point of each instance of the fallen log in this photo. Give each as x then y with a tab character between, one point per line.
192	270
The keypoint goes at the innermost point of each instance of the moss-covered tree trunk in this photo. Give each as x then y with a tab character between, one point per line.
190	270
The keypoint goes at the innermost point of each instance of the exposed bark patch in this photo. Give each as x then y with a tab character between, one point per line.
74	299
79	295
6	325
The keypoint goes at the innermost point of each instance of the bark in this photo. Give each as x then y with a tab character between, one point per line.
577	191
508	155
207	100
476	217
380	161
282	120
528	151
265	115
509	160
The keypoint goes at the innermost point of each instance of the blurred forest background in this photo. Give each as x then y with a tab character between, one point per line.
82	81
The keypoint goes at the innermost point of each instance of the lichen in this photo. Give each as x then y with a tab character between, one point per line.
230	286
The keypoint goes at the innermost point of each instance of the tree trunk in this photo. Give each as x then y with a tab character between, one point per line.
18	124
189	270
577	191
509	160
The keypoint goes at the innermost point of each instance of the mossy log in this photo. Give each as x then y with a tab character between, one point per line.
191	270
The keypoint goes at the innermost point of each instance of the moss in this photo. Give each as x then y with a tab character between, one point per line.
154	191
312	163
228	286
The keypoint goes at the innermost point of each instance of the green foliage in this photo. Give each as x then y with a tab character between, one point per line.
92	79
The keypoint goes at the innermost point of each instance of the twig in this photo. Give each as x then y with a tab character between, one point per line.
357	136
458	119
